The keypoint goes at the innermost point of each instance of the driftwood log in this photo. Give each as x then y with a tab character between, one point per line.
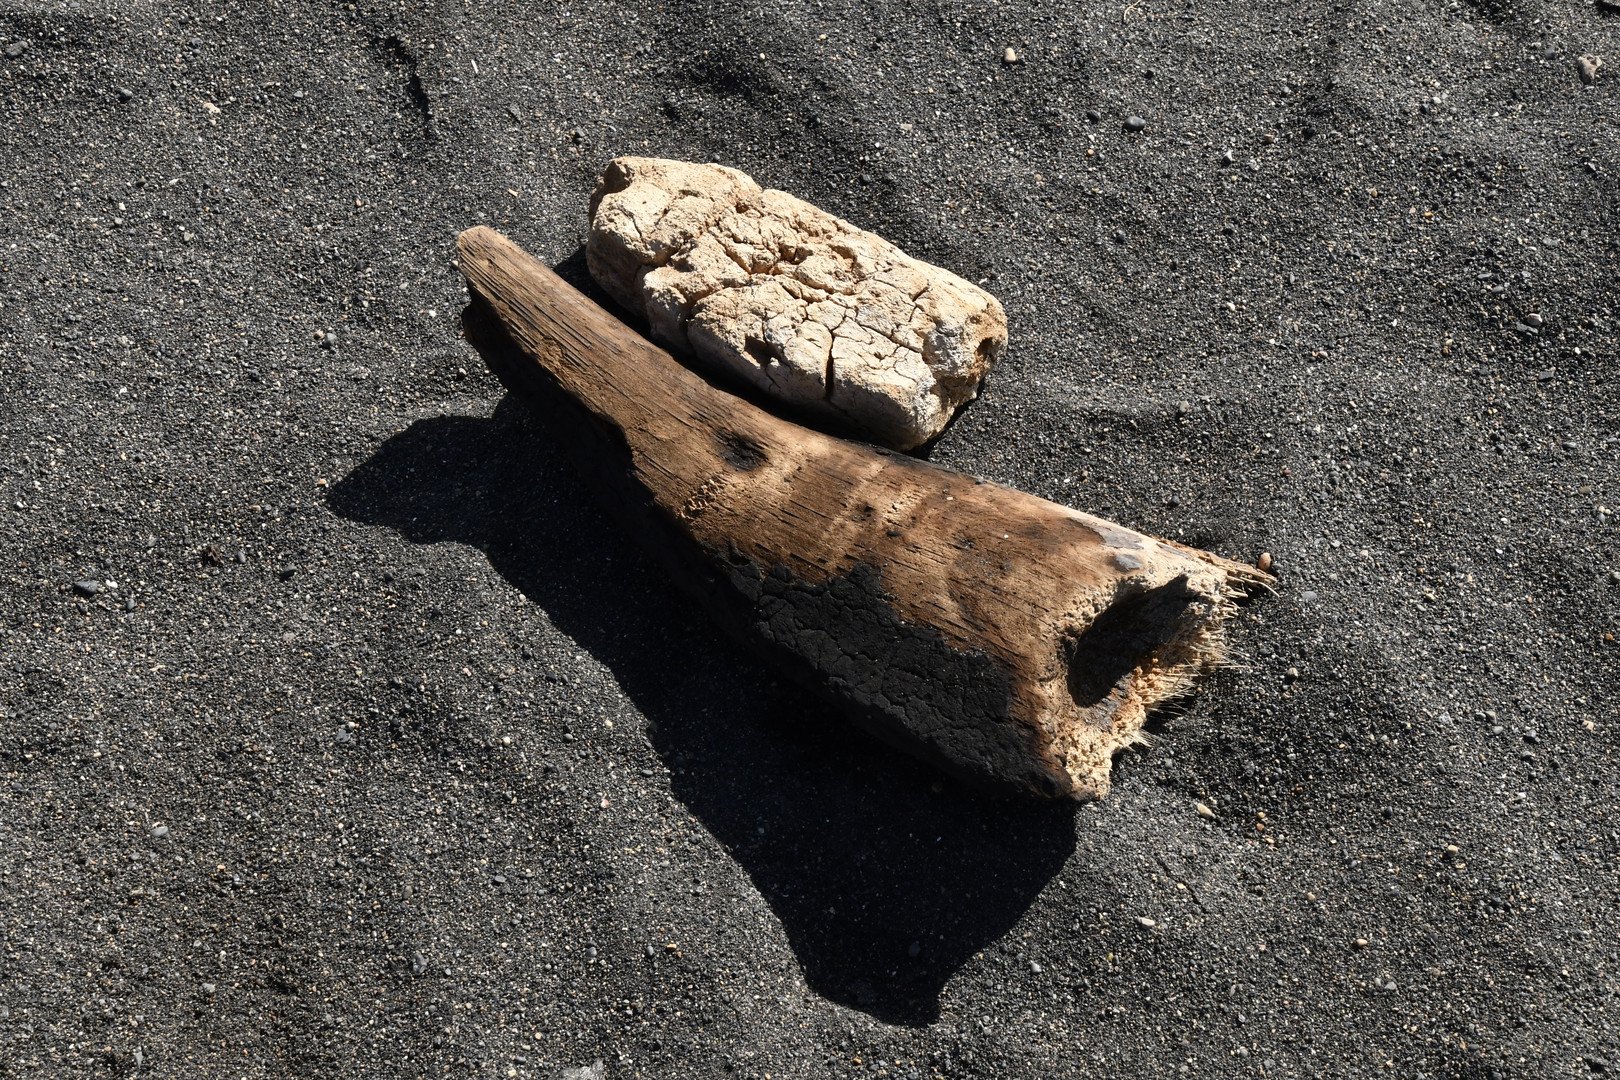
1015	642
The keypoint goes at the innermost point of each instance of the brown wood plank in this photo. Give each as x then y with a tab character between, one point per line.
1015	642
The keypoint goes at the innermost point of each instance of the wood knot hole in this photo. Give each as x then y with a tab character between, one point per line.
1131	632
740	452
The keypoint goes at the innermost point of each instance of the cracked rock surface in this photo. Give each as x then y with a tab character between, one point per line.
793	300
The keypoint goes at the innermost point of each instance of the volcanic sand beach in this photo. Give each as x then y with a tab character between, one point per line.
341	734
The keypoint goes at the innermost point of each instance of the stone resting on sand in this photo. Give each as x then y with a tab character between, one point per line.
828	318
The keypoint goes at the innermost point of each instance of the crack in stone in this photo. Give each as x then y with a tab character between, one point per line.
746	280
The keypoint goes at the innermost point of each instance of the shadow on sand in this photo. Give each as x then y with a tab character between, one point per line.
885	876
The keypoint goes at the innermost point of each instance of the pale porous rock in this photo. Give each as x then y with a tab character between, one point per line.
801	304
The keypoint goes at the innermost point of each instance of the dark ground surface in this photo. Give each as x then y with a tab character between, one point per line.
429	776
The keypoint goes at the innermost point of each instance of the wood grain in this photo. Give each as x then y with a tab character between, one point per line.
1013	641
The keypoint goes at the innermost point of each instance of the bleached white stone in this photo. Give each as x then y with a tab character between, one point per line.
797	302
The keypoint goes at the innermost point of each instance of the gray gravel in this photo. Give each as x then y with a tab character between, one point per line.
376	751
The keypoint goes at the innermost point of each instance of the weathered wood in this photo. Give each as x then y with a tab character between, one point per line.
1015	642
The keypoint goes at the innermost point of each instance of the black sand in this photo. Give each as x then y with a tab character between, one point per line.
325	785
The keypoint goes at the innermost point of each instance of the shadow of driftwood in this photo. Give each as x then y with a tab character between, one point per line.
886	877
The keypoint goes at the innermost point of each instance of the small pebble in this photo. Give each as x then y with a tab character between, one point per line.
1010	56
87	587
1093	116
1145	922
1134	123
1205	812
1292	676
1118	236
1264	562
1229	158
1361	943
16	49
1308	596
159	831
125	93
331	340
914	950
1587	67
1034	968
1534	321
129	602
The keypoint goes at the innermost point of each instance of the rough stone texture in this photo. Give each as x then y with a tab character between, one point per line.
797	302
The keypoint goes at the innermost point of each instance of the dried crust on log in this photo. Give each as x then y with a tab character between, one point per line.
1013	641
